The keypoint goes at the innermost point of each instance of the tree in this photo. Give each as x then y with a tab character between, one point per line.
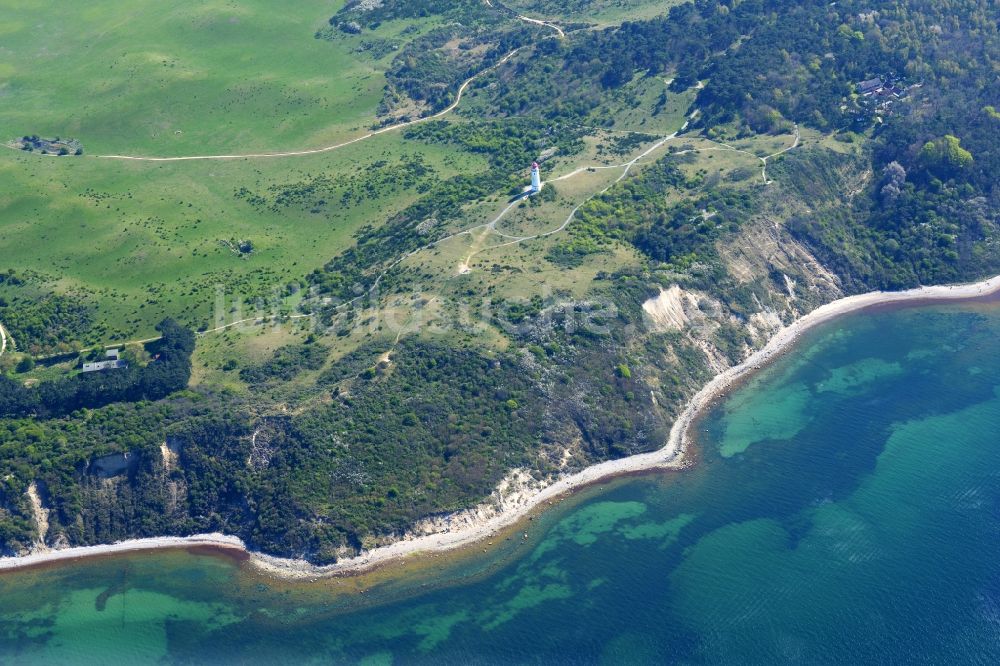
894	176
945	157
619	73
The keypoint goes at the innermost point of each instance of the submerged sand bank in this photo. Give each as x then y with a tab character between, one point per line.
513	501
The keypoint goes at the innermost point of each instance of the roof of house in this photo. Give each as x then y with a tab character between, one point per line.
870	85
104	365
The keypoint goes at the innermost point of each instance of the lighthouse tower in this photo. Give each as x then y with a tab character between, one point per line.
536	178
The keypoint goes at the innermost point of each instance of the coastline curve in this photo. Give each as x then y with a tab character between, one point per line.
472	526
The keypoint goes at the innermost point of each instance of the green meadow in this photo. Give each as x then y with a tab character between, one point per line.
147	240
166	78
142	240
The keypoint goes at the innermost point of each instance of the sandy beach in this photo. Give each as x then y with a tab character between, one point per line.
519	494
46	556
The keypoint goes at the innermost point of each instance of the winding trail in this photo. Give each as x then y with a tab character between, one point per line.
326	149
795	144
491	225
763	160
626	166
251	320
562	35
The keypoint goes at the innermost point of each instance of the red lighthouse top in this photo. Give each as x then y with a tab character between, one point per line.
534	165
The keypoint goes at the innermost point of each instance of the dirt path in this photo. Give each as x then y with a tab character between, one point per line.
562	35
251	320
528	19
490	227
763	160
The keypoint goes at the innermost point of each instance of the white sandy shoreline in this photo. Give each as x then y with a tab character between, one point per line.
477	525
152	543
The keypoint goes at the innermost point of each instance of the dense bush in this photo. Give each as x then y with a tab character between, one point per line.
286	363
41	321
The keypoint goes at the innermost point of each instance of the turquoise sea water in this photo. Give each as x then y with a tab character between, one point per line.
845	509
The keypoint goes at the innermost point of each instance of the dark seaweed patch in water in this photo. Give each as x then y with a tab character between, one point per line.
119	587
20	636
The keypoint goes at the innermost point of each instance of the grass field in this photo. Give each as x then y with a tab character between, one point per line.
638	106
168	78
139	241
148	240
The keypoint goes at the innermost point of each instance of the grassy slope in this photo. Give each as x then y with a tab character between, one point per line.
129	231
178	78
144	239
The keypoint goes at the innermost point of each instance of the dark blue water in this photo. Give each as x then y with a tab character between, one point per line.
845	509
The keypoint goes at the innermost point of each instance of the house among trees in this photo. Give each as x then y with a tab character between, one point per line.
871	86
112	361
883	87
878	98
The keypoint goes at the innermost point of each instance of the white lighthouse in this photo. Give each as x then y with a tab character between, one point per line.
536	178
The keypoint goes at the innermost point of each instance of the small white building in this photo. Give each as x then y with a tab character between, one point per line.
113	361
536	177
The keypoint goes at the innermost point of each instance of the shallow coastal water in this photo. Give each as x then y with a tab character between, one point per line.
845	508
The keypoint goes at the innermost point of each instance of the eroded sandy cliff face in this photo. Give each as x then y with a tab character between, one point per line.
773	280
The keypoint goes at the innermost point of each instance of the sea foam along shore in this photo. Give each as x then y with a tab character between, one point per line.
476	525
